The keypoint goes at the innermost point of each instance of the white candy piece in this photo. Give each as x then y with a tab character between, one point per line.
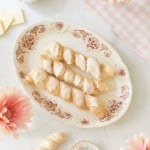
91	101
1	28
58	69
93	67
78	98
69	76
48	145
80	61
108	71
18	16
95	107
6	20
57	137
39	76
53	85
65	91
53	141
78	81
47	65
101	86
68	56
55	50
88	86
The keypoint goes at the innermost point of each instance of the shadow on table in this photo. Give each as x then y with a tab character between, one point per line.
48	7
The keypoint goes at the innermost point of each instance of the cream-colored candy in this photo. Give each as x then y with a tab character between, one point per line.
55	50
53	85
65	91
1	28
58	69
53	141
17	14
6	20
78	98
69	76
68	56
80	61
101	86
78	81
47	65
48	145
91	101
39	76
88	86
108	71
93	68
57	137
95	107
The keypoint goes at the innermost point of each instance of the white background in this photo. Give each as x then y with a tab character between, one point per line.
112	137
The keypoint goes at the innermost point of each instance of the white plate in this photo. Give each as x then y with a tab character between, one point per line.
31	44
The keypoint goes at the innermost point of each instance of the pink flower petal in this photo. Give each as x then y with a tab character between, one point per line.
15	111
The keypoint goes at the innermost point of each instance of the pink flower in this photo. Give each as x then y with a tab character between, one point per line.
15	111
139	143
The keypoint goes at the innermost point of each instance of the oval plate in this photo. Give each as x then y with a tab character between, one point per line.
32	42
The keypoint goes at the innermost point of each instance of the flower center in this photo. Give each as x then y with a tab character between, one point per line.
8	114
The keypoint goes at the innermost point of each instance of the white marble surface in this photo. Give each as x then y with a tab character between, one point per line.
112	137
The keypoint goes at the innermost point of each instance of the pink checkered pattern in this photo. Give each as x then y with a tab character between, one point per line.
130	21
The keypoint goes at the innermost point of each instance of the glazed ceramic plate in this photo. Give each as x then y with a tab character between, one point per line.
32	42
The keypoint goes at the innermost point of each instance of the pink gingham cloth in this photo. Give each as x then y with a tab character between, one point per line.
130	21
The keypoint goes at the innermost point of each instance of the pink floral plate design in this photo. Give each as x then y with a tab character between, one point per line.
32	42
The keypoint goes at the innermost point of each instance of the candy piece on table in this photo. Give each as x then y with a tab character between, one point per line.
93	67
57	137
10	18
1	28
53	141
17	14
15	111
84	145
48	145
6	19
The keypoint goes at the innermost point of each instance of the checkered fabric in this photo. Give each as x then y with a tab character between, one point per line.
130	21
